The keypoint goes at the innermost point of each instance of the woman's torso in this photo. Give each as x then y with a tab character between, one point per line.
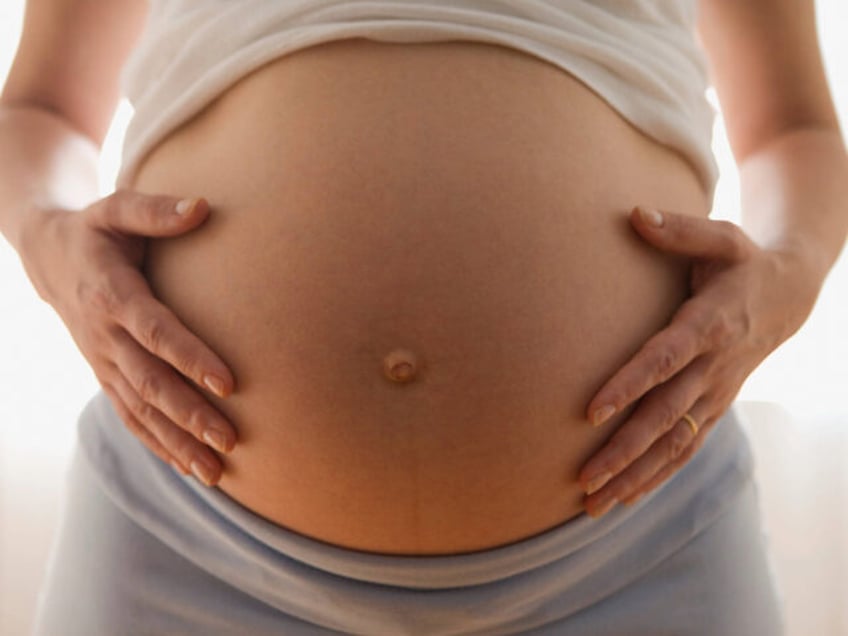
464	202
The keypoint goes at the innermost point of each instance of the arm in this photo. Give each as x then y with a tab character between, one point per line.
84	255
58	101
752	289
782	126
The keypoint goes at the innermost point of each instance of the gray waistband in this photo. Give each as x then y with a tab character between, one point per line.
581	560
152	491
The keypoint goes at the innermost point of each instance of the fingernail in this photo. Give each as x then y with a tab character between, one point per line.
203	472
651	216
603	414
605	507
596	483
184	206
215	384
216	439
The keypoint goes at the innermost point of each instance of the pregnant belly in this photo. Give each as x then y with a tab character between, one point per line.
419	268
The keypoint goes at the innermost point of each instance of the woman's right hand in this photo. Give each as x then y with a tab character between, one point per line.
87	265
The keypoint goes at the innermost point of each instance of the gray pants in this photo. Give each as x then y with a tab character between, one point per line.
143	550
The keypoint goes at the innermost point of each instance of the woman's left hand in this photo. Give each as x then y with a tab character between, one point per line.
745	300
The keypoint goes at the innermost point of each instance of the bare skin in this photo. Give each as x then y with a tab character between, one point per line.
349	235
56	106
753	287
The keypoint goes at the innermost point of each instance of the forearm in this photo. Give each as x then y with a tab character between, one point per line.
794	192
782	125
44	163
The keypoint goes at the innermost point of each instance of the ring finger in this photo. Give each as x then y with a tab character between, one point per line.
655	415
669	469
185	449
630	484
142	433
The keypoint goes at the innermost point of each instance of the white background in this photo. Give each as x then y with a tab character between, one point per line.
44	381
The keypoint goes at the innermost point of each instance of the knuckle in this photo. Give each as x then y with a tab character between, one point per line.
148	387
145	411
102	295
151	330
667	415
194	421
187	363
681	460
666	361
693	324
678	441
720	330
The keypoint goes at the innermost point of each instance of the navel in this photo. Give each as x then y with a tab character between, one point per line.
401	365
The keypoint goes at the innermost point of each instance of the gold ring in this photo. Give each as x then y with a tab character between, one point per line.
691	422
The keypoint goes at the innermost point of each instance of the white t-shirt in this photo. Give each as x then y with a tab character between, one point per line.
641	56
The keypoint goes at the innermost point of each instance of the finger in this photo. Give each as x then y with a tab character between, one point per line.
158	385
130	212
655	416
632	481
669	469
692	236
161	332
159	432
135	427
660	358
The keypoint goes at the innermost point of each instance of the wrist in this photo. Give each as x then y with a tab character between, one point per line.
44	163
35	231
799	280
794	194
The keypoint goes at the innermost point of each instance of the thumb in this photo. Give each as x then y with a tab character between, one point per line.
134	213
691	236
